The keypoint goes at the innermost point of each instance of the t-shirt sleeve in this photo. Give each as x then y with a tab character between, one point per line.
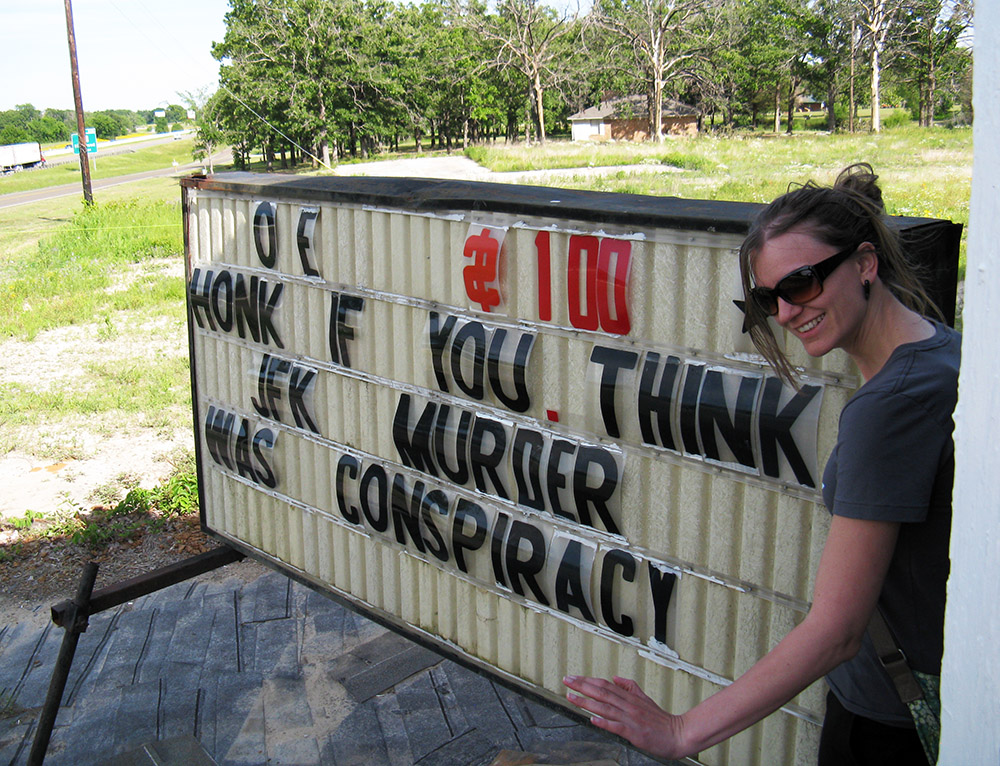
888	454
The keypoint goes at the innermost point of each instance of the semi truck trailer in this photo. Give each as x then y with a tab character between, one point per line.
14	157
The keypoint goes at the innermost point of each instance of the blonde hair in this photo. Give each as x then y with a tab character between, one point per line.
843	215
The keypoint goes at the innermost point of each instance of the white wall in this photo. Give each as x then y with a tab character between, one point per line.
971	668
584	130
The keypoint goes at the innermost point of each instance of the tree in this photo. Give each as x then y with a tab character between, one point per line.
175	113
13	134
107	125
46	130
662	39
14	124
876	19
830	48
930	48
209	131
524	34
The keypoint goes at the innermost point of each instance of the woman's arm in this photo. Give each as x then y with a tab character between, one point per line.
851	571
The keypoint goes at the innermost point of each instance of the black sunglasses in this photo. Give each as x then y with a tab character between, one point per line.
801	286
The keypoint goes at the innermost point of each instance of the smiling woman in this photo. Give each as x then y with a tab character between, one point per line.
822	262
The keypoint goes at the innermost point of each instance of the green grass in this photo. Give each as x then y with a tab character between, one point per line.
103	260
113	273
131	387
136	158
558	155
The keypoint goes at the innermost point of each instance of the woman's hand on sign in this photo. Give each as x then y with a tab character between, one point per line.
621	707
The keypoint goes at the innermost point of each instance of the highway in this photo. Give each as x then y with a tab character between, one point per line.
66	190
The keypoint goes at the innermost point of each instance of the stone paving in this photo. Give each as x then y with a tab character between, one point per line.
267	671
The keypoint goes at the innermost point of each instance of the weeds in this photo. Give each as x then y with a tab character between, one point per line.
151	386
141	511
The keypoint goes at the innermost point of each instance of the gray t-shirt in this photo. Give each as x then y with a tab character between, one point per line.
895	461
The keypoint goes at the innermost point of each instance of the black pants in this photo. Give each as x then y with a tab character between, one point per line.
851	740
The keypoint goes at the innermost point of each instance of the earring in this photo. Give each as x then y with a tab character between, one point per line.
867	286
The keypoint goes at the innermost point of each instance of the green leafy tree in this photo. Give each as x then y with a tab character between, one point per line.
524	37
877	19
13	134
829	30
175	113
14	124
665	40
931	52
107	125
47	130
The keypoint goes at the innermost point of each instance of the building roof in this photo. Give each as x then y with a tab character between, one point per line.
632	108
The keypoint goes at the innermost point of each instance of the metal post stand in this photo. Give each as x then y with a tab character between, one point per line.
77	619
74	616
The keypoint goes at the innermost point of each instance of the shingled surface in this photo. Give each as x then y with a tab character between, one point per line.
270	672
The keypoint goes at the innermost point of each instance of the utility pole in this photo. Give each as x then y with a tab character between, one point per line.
88	195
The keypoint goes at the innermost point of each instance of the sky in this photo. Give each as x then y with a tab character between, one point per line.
132	54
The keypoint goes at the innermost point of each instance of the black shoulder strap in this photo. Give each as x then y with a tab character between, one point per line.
893	659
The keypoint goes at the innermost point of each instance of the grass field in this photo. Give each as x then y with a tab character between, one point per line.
923	172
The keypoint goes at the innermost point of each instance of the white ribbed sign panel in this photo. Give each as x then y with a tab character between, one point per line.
535	439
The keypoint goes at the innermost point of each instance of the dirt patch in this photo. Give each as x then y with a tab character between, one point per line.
47	571
56	459
67	463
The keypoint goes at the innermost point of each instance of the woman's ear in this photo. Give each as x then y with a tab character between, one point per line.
867	261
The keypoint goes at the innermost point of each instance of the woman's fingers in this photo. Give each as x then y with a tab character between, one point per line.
596	695
623	708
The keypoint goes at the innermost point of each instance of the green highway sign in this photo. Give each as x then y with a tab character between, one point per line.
91	141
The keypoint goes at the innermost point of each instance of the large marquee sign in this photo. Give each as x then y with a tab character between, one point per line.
522	425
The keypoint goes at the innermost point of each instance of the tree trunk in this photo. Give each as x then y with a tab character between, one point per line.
791	105
539	106
831	99
879	22
656	111
850	102
777	108
931	91
876	90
